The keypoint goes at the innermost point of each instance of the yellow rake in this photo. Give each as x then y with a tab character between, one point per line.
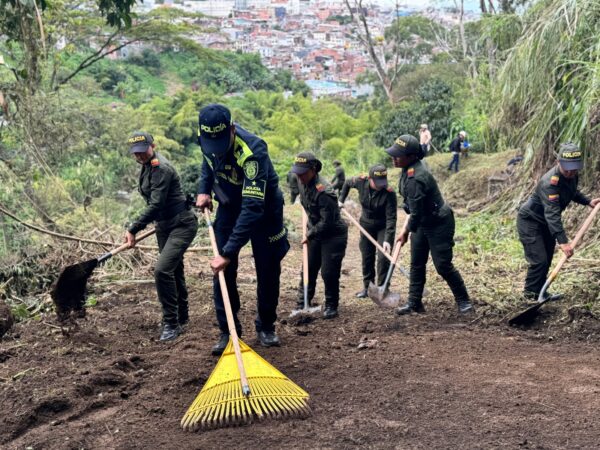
243	386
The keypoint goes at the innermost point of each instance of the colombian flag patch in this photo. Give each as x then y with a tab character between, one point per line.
554	180
410	172
553	197
155	162
320	187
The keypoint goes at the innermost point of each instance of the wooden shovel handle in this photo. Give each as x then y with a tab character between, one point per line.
139	238
228	311
304	248
575	242
368	236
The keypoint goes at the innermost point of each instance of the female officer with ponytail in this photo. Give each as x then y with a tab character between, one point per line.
430	226
327	233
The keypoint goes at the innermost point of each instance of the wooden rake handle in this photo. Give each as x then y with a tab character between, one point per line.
228	311
367	235
125	246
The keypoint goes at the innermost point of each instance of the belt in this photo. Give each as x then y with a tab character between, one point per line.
172	211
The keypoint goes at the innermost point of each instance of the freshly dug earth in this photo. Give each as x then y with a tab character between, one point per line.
375	380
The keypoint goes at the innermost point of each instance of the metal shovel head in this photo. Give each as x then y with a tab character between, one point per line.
304	315
68	293
528	316
383	297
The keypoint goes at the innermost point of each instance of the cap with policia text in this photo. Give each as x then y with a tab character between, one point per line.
404	145
214	129
570	157
139	142
304	162
378	173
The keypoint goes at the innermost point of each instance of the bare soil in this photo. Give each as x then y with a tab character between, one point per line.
428	381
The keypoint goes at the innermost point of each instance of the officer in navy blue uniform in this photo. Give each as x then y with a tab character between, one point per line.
238	170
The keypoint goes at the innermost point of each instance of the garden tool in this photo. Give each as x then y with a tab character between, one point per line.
307	309
243	386
68	293
379	247
528	315
381	295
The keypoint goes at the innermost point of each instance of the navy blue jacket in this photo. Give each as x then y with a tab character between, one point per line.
245	183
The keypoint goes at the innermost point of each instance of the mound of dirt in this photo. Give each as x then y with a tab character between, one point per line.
6	319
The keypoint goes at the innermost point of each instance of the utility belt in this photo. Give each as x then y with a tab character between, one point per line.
172	211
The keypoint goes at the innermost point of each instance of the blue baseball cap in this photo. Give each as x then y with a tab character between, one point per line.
214	129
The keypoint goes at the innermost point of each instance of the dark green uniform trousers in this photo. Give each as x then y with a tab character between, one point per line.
368	251
439	239
326	256
539	245
174	236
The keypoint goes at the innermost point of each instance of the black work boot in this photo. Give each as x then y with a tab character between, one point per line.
183	318
221	344
268	338
170	332
409	307
362	294
465	306
330	312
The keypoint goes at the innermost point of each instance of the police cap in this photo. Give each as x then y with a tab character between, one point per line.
378	173
304	162
139	142
214	129
404	145
570	156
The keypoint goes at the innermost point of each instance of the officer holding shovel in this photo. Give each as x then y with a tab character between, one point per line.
327	234
430	226
176	228
378	218
539	221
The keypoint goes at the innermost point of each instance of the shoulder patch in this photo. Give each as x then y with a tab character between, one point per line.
410	173
155	162
320	187
553	197
251	169
554	180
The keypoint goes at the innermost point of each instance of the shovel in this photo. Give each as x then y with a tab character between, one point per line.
379	247
381	295
307	309
69	292
528	315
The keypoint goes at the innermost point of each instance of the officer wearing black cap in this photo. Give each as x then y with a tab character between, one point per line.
176	228
238	170
338	180
430	226
539	220
327	234
378	218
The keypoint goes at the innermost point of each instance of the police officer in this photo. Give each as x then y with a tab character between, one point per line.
378	218
292	181
176	228
327	234
238	170
430	226
339	178
539	220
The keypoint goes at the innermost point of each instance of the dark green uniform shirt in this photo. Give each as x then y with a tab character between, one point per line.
552	195
422	197
160	187
379	208
320	203
339	178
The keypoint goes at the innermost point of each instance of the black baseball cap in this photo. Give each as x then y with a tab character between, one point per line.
304	162
139	142
570	157
404	145
378	173
214	129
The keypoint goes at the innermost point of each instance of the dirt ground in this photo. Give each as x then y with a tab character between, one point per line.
428	381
